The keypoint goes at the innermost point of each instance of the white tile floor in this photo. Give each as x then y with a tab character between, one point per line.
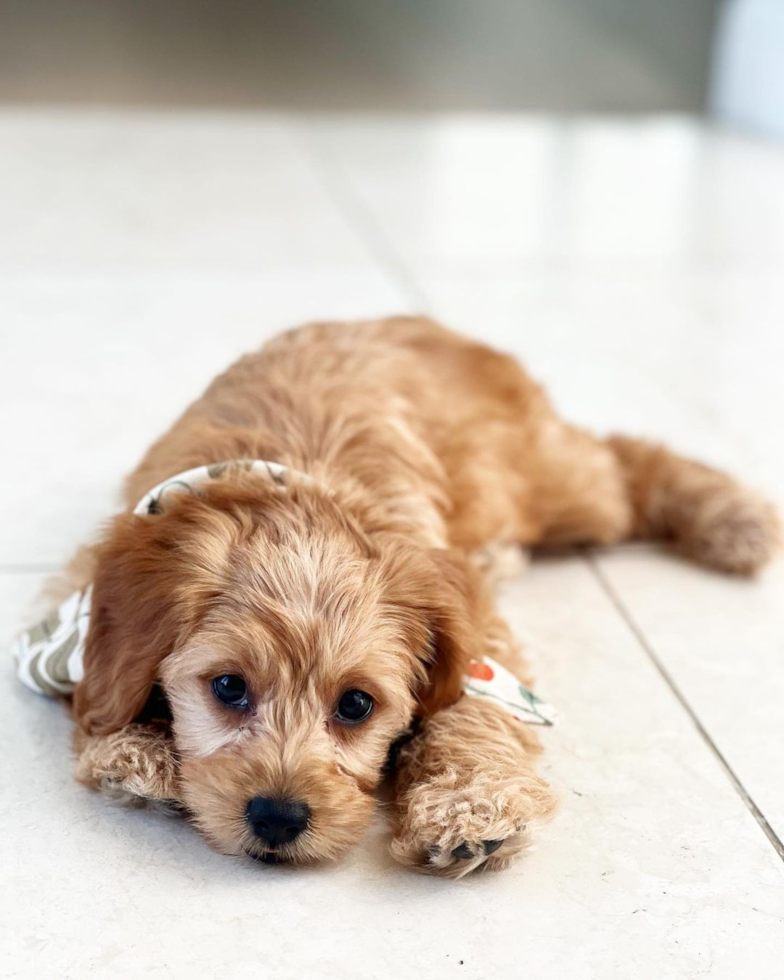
636	267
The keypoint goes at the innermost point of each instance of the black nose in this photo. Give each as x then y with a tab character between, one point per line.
277	821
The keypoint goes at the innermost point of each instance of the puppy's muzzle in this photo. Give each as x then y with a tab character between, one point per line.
277	822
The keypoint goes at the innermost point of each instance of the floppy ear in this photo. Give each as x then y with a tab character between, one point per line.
456	609
135	620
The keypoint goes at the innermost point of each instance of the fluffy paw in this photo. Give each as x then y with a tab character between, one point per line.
735	531
135	766
455	823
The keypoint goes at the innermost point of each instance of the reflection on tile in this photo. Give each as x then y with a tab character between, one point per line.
482	194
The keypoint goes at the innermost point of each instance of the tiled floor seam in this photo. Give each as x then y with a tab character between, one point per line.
634	628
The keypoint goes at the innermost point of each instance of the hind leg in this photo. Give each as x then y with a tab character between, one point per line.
707	514
603	492
578	491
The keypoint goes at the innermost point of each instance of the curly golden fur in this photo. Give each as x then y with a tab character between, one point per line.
427	450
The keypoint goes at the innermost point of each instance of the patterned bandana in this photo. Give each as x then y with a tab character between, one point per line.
488	679
49	657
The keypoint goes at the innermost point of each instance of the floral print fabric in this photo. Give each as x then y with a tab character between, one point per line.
488	679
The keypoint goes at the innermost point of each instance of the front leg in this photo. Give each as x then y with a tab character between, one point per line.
467	794
135	766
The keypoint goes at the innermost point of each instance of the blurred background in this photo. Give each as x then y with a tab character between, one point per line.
544	55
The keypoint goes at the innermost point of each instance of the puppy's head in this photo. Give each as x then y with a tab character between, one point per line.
294	650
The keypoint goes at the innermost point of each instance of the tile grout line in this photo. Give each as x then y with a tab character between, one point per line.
341	192
642	640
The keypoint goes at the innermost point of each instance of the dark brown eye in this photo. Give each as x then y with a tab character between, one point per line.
354	707
231	690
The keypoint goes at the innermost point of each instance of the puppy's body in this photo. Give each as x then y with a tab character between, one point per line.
426	450
439	438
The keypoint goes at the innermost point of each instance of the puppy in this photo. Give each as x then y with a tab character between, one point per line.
301	627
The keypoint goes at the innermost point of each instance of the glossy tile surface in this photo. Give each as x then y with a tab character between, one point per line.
634	266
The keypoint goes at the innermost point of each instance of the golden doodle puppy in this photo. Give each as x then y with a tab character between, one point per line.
313	616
